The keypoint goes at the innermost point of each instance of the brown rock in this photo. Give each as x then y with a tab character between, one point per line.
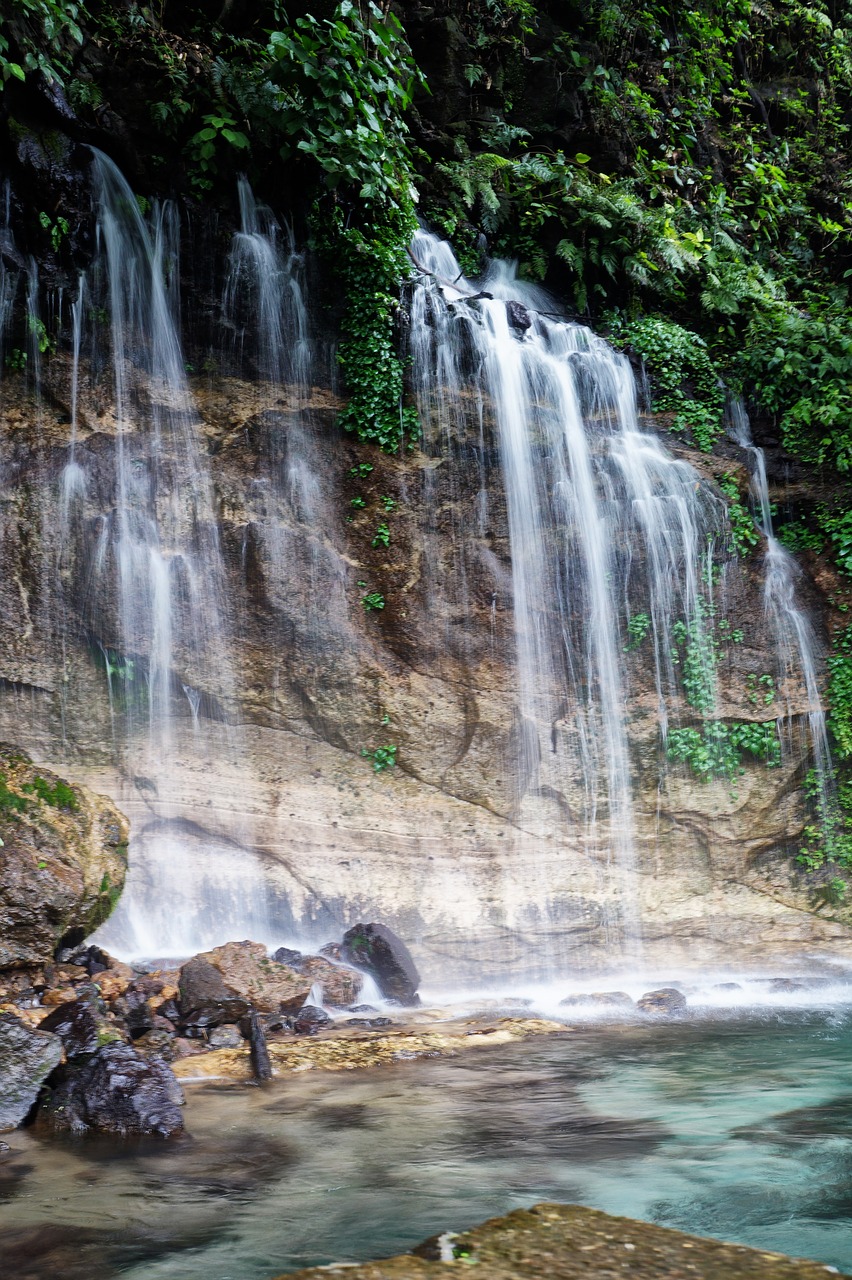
58	995
115	981
665	1000
566	1242
247	975
605	999
340	985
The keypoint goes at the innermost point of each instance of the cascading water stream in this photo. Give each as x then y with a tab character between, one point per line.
793	637
601	520
159	600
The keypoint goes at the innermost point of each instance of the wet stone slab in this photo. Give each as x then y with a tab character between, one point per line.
567	1242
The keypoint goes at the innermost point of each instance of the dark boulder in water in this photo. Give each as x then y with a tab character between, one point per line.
377	949
81	1026
518	316
310	1020
117	1091
27	1057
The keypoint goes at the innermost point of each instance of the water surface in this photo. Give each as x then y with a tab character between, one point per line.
741	1129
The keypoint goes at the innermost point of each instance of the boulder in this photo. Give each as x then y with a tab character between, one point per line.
117	1091
782	985
340	985
62	861
286	955
157	1044
604	999
27	1057
81	1026
518	316
205	998
666	1000
310	1020
377	949
221	984
114	981
225	1037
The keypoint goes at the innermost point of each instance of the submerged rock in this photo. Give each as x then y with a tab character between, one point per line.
666	1000
117	1091
27	1057
377	949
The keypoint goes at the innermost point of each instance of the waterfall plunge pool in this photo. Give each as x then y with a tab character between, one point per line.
740	1129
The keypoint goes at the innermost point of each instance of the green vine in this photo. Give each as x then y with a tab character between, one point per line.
684	381
745	534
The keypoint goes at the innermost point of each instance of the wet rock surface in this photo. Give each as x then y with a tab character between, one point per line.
82	1026
62	860
566	1242
27	1057
667	1001
340	985
343	1048
116	1091
378	950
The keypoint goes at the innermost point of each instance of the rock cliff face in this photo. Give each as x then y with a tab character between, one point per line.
262	811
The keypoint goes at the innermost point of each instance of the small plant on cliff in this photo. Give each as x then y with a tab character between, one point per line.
744	532
683	379
382	536
382	758
638	626
373	600
10	801
59	796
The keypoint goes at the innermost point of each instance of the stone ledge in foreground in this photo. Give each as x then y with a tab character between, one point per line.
567	1242
352	1049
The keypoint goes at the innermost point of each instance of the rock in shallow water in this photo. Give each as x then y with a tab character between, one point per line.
117	1091
665	1000
27	1057
605	999
386	958
566	1242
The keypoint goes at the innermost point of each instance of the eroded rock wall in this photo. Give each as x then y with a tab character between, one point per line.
477	861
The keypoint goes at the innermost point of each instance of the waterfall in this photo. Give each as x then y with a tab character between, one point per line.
157	590
792	634
603	525
554	580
